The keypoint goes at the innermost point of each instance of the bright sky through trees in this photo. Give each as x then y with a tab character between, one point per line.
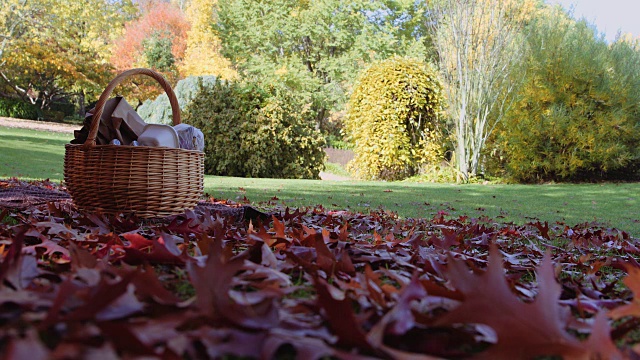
609	16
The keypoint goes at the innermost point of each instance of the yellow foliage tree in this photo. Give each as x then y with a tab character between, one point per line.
202	56
56	48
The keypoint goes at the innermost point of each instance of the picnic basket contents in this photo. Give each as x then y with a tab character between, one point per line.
148	173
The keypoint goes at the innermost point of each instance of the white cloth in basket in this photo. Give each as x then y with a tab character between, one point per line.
190	138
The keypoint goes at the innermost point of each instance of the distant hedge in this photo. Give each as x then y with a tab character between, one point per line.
17	108
251	131
61	106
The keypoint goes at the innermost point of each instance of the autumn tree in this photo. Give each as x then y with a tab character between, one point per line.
14	19
156	40
576	117
202	55
478	46
316	48
55	48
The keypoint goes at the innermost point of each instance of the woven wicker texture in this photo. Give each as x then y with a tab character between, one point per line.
147	181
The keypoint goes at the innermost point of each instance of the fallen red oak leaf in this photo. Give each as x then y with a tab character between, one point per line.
137	241
523	330
339	313
632	280
107	300
212	284
159	253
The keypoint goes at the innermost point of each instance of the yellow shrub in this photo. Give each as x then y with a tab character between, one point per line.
394	119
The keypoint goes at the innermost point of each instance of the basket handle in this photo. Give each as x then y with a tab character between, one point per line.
95	122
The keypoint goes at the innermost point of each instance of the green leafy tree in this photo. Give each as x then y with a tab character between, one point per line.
577	114
15	18
157	51
394	119
316	48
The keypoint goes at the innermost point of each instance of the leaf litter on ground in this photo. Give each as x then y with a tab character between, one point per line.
312	284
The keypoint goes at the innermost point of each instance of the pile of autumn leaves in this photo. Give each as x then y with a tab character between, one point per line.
313	284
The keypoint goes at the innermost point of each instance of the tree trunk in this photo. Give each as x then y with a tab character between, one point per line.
320	119
461	150
81	106
477	46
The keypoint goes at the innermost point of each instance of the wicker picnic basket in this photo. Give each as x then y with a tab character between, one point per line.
148	181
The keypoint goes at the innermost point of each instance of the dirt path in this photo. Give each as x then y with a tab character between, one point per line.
38	125
333	177
68	128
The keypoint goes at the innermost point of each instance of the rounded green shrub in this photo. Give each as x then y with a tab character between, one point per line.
19	109
253	132
394	119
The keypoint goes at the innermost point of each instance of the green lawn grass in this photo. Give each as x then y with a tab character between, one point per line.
37	155
616	205
32	154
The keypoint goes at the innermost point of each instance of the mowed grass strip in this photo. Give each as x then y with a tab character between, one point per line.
30	154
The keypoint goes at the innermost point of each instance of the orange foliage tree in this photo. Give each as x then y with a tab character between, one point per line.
156	40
